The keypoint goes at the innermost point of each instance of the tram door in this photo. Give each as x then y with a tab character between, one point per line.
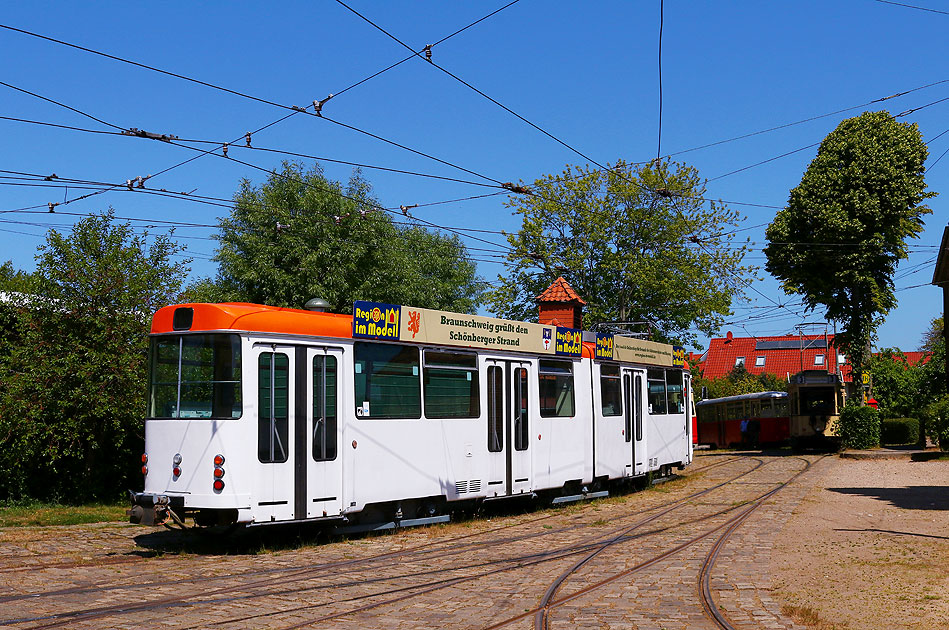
320	483
277	386
508	431
633	416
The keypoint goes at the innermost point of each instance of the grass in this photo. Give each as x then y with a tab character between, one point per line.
44	514
809	617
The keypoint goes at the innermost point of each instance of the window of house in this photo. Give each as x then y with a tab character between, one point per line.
818	359
387	381
610	390
739	361
759	361
555	379
841	359
451	384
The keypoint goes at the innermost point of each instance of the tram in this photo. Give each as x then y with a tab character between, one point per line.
720	419
394	415
817	398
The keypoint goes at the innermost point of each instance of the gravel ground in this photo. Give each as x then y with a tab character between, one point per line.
868	548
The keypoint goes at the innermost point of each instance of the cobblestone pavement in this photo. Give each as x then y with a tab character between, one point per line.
491	572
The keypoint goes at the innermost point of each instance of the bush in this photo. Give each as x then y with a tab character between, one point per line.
859	427
937	422
899	431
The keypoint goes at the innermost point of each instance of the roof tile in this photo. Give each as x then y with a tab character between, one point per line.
559	291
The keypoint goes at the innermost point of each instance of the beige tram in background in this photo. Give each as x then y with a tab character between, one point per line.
816	400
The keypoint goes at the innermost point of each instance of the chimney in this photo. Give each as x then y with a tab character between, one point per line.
560	305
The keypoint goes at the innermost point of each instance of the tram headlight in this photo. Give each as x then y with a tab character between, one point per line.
218	485
219	460
144	458
176	472
218	473
144	470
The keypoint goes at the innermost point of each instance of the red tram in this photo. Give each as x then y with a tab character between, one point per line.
720	419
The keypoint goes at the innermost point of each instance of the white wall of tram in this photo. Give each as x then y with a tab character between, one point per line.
383	460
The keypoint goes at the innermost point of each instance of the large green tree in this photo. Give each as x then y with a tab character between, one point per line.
300	235
637	243
73	387
896	384
845	228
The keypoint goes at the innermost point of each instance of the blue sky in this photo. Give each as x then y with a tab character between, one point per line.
585	72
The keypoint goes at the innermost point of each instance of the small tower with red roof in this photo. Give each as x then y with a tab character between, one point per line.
560	305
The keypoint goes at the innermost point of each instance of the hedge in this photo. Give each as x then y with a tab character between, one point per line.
859	427
899	431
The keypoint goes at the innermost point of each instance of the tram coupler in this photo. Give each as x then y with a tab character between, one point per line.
150	509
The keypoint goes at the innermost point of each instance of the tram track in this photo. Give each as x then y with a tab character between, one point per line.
442	548
407	592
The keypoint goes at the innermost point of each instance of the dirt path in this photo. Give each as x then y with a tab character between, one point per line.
868	548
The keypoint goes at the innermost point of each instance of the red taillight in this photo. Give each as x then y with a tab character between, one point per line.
176	471
144	470
218	473
218	460
144	458
218	485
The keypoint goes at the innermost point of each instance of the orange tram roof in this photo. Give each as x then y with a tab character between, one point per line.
256	318
241	316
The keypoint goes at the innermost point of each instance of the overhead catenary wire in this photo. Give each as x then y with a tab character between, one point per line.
470	86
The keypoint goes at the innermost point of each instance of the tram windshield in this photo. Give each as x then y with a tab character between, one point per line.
195	376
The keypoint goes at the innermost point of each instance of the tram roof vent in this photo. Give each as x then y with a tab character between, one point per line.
317	305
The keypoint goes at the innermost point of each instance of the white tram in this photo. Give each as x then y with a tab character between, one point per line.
395	415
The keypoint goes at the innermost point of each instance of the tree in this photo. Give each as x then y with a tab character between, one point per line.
896	384
844	231
933	372
637	244
740	381
74	387
300	236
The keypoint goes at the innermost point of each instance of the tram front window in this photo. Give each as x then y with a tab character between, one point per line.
817	401
195	376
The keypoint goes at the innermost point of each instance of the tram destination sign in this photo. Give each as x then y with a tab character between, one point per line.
373	320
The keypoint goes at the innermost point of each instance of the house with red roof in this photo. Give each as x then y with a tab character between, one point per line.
782	355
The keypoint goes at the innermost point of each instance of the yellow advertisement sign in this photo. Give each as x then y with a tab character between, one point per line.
642	351
421	325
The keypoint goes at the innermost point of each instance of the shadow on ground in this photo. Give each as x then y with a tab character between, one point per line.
907	498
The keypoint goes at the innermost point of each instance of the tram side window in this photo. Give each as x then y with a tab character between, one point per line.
656	382
781	408
555	381
387	381
195	376
324	408
674	391
451	384
273	399
610	397
521	437
495	409
735	411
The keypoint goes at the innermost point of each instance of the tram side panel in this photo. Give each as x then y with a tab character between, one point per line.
563	439
610	424
665	413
